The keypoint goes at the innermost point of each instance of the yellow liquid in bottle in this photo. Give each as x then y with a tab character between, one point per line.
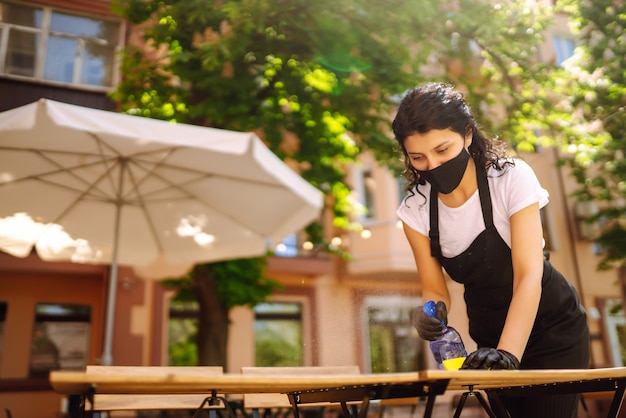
453	363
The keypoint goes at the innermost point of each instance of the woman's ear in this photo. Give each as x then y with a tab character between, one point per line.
468	137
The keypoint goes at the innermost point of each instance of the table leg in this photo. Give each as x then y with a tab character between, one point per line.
496	404
294	404
365	405
618	398
212	401
480	398
430	404
78	404
485	404
345	410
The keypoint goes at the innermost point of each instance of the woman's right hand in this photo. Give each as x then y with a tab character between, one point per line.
430	328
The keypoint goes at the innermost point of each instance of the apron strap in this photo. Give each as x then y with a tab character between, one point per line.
433	234
485	198
485	204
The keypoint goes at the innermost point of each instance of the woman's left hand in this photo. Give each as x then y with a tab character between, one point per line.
491	359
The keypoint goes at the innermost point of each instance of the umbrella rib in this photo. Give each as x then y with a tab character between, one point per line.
60	169
200	175
145	211
85	192
150	171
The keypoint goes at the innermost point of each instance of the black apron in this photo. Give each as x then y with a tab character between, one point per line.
559	338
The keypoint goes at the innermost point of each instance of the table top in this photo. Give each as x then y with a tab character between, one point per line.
73	382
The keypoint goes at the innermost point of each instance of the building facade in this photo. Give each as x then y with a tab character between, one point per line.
330	312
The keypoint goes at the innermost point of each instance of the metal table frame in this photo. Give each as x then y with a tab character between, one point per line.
362	388
472	383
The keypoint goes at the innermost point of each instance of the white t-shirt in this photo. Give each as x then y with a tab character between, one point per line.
512	189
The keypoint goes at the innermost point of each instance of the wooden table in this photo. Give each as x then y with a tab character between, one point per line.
304	388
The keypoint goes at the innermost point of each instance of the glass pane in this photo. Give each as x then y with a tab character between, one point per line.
60	56
616	330
182	331
97	65
369	193
20	15
84	27
393	342
21	53
564	49
60	339
381	349
277	308
288	247
278	343
3	314
278	334
621	334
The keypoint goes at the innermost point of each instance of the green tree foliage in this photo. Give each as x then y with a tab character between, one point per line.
318	80
217	287
237	282
599	166
581	107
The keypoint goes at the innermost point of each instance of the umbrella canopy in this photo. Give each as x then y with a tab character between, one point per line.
94	186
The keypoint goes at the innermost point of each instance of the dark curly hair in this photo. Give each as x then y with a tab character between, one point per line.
440	106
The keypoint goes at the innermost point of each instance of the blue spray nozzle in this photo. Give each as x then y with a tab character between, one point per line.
430	308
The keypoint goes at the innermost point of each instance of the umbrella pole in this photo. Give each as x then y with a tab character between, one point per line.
107	357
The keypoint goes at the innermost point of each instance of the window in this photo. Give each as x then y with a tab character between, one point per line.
365	189
615	324
288	247
549	243
401	184
60	338
278	334
182	332
392	343
55	46
563	48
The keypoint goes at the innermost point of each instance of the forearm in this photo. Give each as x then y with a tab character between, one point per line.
527	257
521	317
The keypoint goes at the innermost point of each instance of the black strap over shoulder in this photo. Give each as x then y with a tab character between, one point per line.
485	198
485	203
433	234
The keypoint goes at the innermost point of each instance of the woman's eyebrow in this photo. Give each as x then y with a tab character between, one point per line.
442	144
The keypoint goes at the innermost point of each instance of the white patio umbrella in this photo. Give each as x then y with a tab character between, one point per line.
93	186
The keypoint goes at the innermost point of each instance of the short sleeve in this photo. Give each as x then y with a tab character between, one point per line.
521	188
413	210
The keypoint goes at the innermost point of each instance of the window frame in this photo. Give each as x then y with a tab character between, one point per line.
611	322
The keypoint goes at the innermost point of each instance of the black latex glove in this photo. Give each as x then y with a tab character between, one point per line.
430	328
490	358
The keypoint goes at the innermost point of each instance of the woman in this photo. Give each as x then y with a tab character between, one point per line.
474	212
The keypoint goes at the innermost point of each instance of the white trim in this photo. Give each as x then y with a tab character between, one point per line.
611	322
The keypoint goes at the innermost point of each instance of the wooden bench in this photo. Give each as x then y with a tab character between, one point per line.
120	405
269	402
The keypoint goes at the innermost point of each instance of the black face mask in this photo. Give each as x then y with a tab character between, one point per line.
448	175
